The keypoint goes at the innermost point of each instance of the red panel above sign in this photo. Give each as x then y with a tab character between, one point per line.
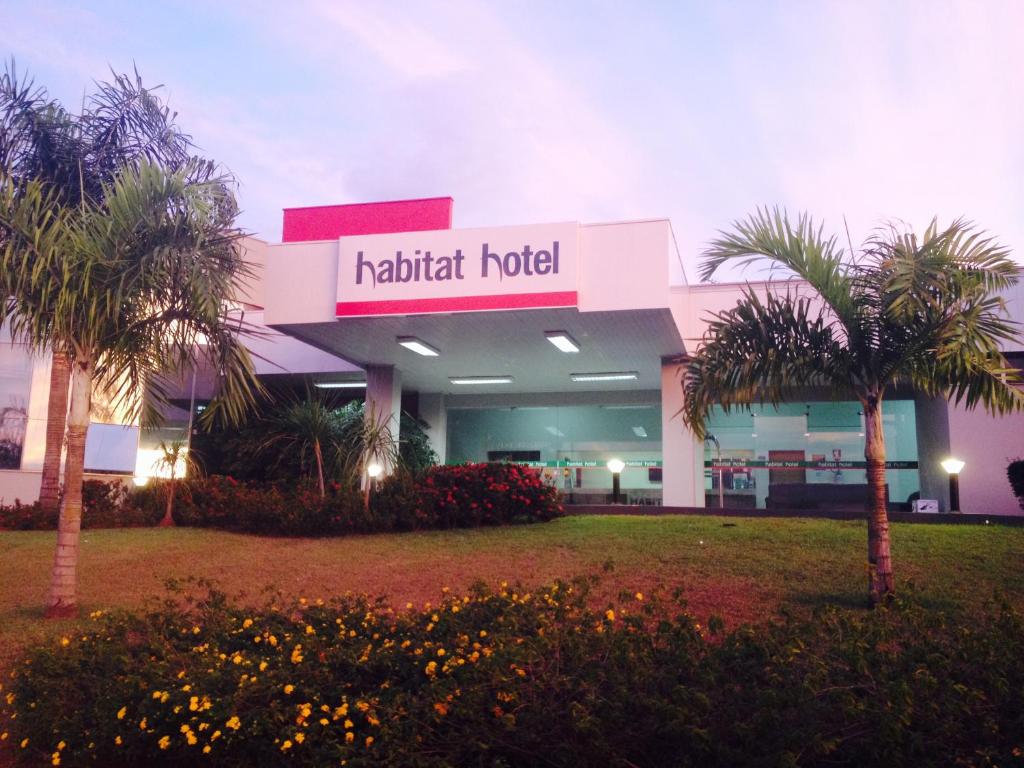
327	222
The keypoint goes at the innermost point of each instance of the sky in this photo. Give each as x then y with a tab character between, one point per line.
529	112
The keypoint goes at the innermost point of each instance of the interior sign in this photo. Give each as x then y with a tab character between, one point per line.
458	270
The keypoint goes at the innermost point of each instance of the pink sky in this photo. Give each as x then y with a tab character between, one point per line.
591	111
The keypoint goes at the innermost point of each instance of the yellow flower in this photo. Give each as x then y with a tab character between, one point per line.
431	669
61	745
441	708
272	640
369	740
122	712
191	739
56	758
206	749
142	724
3	736
324	721
247	623
310	630
233	723
237	658
297	654
165	742
347	724
118	740
289	688
609	614
300	737
286	746
639	596
65	642
440	651
483	633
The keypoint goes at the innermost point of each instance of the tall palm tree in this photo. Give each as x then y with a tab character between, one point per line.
121	124
919	311
127	283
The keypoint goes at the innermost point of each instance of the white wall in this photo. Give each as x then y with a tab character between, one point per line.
986	444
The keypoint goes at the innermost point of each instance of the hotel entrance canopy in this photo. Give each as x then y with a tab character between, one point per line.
451	305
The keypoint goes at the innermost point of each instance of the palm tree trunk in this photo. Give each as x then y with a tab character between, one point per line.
62	600
880	579
56	420
168	519
319	467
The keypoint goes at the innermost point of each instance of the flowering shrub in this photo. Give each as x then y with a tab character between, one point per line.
105	504
518	678
485	494
442	497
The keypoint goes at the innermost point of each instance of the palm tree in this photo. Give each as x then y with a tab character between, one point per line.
307	425
173	455
904	310
128	283
121	124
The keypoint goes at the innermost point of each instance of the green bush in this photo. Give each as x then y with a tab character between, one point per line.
105	504
441	497
520	678
1015	472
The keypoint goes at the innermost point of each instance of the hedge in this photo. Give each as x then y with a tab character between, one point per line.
519	678
442	497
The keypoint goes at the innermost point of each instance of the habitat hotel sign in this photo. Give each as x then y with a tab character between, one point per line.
458	270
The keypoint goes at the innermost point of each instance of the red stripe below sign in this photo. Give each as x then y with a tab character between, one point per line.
456	304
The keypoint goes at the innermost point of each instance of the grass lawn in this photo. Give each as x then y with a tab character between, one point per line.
743	569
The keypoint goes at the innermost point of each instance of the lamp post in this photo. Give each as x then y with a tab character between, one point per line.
615	466
373	471
953	467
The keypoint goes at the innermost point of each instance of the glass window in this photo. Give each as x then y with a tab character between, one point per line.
15	386
804	444
570	445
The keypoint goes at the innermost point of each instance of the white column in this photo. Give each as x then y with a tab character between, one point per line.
384	396
434	412
682	456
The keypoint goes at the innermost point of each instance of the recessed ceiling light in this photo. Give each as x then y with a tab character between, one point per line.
639	431
610	376
562	340
481	380
417	345
339	384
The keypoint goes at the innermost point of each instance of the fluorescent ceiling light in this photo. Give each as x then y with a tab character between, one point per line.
611	376
563	341
555	431
481	380
417	346
639	431
627	407
340	384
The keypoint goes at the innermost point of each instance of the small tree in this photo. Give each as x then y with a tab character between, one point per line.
129	284
172	456
307	425
904	310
